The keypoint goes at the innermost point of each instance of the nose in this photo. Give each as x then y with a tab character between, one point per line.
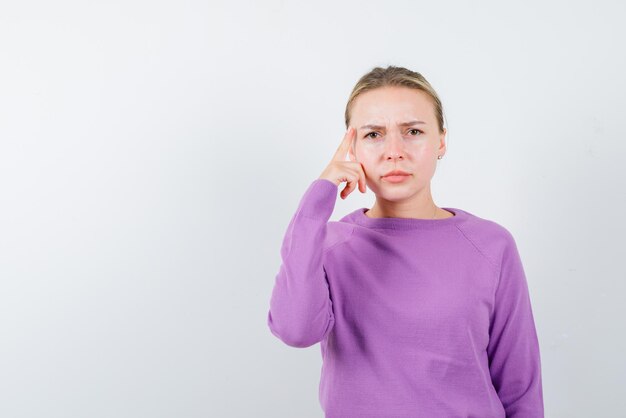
394	146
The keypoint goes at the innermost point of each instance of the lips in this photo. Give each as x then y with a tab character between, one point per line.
396	176
397	173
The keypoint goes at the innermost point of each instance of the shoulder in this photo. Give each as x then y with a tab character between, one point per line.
490	238
337	232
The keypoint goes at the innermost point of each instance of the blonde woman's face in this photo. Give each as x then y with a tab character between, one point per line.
396	129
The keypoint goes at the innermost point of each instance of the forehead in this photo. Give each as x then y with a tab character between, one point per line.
390	103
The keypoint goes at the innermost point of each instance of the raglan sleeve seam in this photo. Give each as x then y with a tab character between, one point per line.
495	266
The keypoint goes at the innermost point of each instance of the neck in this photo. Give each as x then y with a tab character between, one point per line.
388	209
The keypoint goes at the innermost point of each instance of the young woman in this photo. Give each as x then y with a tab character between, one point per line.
421	311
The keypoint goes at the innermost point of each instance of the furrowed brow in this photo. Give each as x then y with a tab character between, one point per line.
412	122
409	123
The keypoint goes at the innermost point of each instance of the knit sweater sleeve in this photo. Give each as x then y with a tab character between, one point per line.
513	349
300	311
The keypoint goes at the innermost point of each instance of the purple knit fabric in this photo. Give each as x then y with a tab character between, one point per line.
415	317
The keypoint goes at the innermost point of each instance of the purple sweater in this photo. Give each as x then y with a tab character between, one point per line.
416	317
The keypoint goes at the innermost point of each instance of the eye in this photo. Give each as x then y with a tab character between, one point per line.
416	130
371	133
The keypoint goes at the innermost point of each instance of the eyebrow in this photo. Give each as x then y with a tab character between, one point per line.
409	123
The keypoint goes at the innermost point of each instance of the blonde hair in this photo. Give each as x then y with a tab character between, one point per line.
395	76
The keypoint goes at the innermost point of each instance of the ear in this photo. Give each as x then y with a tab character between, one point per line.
442	142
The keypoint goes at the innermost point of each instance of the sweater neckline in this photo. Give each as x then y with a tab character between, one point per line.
362	219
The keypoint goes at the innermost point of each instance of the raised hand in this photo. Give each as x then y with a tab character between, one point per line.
339	170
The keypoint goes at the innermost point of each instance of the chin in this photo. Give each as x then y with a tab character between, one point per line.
395	193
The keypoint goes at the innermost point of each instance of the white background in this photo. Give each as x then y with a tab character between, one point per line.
152	154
